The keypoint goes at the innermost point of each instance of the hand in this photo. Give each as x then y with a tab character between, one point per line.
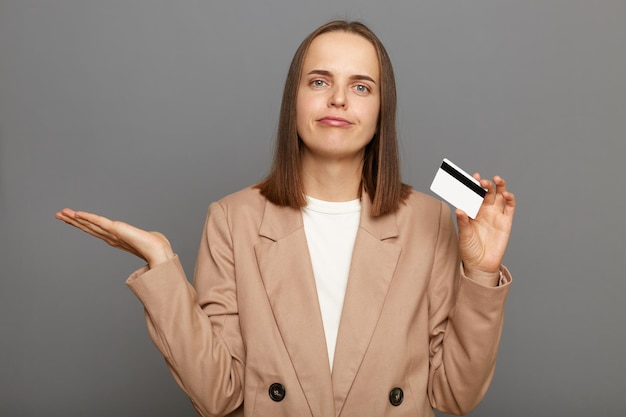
153	247
483	240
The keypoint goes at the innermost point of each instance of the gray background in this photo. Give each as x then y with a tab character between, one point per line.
147	111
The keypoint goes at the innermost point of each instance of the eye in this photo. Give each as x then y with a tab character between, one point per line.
318	83
361	88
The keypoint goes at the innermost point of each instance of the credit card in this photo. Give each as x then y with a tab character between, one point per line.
458	188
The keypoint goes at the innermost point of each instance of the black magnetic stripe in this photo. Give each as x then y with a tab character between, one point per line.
468	183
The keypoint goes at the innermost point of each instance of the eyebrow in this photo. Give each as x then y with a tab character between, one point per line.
352	77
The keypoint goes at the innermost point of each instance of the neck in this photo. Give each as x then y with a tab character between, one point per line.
332	180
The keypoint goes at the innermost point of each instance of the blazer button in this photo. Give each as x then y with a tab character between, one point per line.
396	396
277	392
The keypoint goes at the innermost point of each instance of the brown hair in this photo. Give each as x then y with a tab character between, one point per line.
381	167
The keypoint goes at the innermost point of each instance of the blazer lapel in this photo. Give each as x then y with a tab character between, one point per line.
287	275
373	264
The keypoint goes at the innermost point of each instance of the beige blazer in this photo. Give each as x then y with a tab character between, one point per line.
247	338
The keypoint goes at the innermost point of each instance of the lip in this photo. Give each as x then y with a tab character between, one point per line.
334	121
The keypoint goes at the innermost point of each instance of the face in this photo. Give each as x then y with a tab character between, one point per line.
338	99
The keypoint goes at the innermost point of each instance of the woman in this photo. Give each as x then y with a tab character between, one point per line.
330	288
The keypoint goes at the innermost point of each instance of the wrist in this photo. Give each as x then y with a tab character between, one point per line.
487	278
162	257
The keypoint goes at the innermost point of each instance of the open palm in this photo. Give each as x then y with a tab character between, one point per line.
153	247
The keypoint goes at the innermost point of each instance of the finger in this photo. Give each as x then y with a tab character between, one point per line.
91	218
110	229
490	197
69	217
65	214
485	184
503	197
500	184
109	238
94	225
111	232
509	208
462	219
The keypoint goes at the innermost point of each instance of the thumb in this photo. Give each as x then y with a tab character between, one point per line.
462	220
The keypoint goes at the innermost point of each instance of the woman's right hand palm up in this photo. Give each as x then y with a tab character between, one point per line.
153	247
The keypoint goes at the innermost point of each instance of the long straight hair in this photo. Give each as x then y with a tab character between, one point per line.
381	166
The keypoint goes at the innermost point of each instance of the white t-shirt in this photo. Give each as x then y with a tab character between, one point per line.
330	229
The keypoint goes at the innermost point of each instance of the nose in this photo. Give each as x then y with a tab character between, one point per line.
337	97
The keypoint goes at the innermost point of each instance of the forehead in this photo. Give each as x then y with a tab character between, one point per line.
342	52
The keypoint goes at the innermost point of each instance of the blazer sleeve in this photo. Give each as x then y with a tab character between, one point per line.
466	320
199	339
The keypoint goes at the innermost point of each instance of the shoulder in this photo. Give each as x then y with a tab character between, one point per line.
248	213
423	205
424	215
245	202
425	218
249	196
239	212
